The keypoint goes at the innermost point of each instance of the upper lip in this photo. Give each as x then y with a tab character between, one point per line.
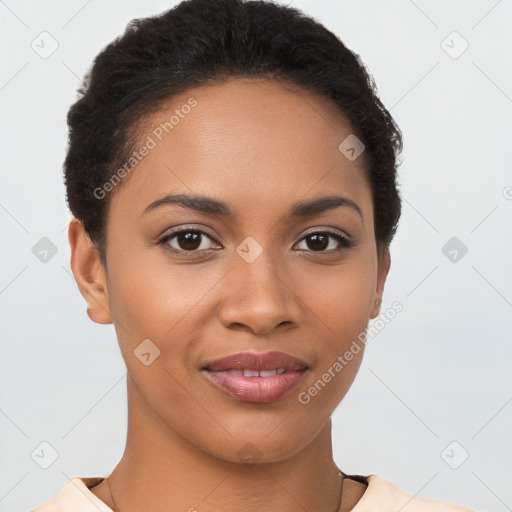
257	362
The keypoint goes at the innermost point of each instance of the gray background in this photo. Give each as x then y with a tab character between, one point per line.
438	373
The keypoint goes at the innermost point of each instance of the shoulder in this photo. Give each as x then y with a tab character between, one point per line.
381	492
75	496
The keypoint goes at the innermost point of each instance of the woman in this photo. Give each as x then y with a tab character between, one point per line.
232	176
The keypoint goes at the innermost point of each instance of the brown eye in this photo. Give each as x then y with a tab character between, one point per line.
321	240
187	240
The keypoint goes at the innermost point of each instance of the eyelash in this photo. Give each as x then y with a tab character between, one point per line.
342	240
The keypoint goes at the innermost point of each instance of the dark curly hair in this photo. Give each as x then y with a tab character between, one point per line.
203	41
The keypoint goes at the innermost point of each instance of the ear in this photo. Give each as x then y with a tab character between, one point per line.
89	273
382	272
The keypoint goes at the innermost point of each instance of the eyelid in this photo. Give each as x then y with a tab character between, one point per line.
186	227
346	242
176	231
331	231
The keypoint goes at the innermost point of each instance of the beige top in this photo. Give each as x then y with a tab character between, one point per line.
75	496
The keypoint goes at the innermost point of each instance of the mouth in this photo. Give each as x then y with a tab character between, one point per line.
259	378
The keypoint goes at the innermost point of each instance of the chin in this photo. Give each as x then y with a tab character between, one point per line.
256	447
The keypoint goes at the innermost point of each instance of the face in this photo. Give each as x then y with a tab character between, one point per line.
261	266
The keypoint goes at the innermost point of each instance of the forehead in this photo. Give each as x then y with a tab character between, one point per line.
249	141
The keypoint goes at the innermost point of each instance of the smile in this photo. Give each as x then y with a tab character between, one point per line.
259	378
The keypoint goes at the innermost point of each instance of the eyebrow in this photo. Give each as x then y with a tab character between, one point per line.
212	206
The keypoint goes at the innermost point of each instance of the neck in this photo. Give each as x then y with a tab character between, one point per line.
161	471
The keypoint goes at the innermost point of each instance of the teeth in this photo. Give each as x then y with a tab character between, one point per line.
250	373
254	373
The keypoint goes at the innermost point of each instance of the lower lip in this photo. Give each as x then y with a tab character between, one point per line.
255	389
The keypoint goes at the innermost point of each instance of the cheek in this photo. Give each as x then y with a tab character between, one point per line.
157	299
343	305
153	297
342	299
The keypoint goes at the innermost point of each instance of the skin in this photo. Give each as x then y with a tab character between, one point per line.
260	147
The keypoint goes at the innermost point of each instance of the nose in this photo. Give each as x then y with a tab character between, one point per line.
259	297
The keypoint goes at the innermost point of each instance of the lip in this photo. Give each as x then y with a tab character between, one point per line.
257	362
226	374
